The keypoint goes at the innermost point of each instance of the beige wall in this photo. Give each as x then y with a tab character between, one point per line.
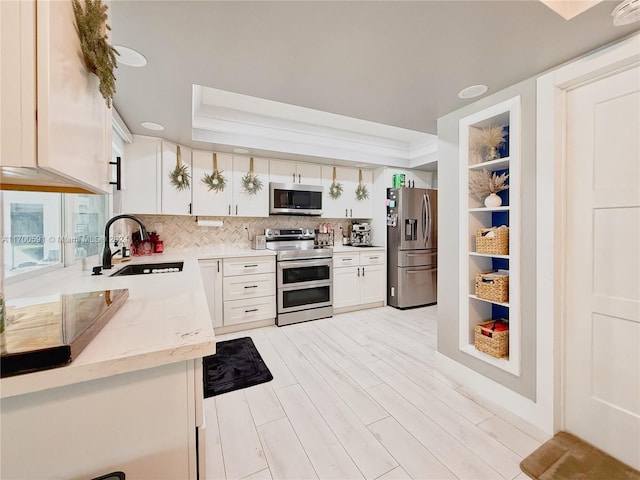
448	245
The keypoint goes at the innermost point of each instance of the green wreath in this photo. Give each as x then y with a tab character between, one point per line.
215	181
251	183
180	175
335	190
99	56
362	193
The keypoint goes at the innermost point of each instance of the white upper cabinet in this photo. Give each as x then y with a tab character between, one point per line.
247	204
347	205
141	176
207	200
54	119
284	171
175	201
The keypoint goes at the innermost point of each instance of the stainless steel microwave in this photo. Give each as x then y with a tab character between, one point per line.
295	199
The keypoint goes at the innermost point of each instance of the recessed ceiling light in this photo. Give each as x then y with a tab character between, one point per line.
240	150
152	126
129	56
627	12
473	91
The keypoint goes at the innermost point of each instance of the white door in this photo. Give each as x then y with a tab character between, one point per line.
175	201
602	346
346	290
247	204
332	208
206	200
373	283
282	171
308	173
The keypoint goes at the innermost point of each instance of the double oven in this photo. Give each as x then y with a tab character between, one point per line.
304	279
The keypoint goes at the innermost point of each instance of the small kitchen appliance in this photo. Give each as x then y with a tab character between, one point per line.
361	235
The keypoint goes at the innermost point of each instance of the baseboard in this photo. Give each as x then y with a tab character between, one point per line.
354	308
492	391
244	326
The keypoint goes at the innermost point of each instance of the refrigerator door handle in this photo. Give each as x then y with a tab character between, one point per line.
428	209
424	219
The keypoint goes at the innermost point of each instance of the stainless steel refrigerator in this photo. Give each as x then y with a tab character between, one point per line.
412	247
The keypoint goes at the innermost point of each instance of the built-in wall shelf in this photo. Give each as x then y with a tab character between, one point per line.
492	165
493	209
473	297
488	255
474	215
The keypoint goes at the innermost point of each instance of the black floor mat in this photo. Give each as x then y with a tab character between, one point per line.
236	364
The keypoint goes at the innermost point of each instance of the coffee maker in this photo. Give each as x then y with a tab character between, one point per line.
361	235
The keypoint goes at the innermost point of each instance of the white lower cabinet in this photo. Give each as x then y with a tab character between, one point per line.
359	280
211	272
143	423
240	290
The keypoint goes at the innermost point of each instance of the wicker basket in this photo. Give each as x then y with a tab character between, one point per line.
496	244
491	342
493	286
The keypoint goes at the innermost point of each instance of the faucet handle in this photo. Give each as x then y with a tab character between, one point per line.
97	270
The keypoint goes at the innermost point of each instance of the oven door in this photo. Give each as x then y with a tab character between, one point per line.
302	273
312	295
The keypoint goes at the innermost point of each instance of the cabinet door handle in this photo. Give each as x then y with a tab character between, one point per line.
363	271
299	178
351	212
358	271
236	209
229	209
251	286
346	212
190	208
251	310
218	262
249	266
118	182
294	177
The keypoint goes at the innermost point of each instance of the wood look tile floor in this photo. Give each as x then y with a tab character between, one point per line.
357	396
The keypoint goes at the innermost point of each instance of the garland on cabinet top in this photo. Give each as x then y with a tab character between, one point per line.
99	56
361	192
180	175
215	181
335	190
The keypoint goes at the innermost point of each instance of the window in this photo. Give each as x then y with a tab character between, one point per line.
32	224
50	229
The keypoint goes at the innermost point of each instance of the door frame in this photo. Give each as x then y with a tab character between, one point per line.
551	194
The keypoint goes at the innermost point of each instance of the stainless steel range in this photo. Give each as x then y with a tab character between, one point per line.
304	275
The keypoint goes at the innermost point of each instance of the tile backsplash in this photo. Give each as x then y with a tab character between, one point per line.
182	233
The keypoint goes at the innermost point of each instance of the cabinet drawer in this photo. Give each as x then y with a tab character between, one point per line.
249	286
248	265
345	260
373	258
249	310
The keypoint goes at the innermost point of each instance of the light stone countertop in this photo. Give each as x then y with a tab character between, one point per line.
164	320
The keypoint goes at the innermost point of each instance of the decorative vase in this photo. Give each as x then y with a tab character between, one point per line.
492	201
492	154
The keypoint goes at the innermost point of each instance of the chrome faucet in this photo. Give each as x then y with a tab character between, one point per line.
106	253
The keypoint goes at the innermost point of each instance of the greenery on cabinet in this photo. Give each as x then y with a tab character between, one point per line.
361	192
99	56
335	190
251	184
215	180
180	175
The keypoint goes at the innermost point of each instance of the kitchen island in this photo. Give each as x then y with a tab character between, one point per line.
132	400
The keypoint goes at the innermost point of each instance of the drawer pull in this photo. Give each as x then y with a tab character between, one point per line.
251	286
251	310
250	266
373	258
347	259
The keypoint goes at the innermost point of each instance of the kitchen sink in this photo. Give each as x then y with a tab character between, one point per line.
149	269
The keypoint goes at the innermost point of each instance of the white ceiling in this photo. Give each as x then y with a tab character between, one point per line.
391	62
